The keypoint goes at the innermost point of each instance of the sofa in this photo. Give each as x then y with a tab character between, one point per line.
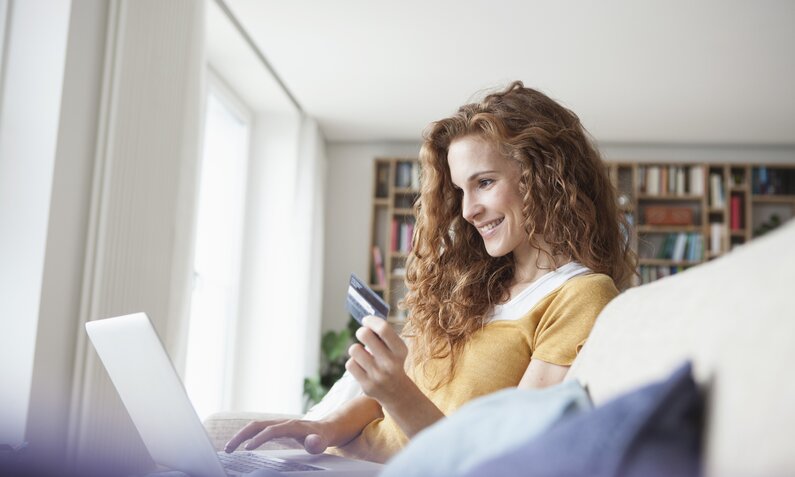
733	317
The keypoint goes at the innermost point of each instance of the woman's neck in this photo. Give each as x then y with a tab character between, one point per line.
532	264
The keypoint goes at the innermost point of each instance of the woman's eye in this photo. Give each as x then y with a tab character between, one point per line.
485	183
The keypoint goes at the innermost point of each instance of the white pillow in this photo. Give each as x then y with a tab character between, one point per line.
486	428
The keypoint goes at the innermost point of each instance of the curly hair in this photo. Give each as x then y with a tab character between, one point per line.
569	203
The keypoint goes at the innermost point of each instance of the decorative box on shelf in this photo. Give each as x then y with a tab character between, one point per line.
665	215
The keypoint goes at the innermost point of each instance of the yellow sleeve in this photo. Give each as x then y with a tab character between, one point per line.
569	317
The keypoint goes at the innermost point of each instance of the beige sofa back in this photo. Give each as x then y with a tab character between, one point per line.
735	318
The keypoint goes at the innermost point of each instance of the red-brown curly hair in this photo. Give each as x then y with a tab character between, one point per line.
569	201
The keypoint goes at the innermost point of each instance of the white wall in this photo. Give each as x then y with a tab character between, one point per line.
31	102
759	154
349	190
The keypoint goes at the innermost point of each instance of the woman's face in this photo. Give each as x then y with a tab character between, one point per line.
491	200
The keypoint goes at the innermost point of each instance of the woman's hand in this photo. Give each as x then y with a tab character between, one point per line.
379	368
313	435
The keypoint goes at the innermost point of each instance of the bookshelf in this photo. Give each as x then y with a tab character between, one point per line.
395	189
681	214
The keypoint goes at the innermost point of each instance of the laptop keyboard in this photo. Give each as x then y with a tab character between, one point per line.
250	461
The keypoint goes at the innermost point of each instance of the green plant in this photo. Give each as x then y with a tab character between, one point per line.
333	354
772	222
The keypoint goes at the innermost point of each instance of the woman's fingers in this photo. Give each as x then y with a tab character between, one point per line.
295	429
247	432
260	432
362	357
373	343
386	334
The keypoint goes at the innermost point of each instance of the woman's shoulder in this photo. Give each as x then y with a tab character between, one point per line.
590	284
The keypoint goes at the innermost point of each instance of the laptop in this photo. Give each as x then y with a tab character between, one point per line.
155	398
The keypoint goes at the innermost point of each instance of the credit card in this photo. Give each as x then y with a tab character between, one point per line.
363	301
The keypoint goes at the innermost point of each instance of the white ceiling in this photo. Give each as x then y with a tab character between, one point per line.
674	71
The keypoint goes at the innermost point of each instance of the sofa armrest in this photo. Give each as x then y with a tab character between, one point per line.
221	426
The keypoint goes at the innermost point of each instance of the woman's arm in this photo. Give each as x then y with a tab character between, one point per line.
337	429
380	371
540	374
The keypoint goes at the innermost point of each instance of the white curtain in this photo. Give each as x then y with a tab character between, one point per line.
138	251
278	332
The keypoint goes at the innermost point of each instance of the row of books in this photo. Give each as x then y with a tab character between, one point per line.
671	180
400	238
682	246
407	174
772	181
649	273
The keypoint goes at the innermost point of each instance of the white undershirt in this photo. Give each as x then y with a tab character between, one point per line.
518	306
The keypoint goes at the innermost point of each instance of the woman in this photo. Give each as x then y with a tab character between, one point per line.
518	246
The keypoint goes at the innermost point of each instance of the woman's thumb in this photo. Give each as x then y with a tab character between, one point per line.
315	444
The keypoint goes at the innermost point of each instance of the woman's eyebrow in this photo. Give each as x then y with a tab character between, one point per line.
475	175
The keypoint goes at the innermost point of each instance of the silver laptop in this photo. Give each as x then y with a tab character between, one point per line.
152	392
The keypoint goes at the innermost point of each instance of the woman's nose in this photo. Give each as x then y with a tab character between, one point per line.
471	208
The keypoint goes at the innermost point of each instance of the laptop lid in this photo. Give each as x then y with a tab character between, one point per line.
152	392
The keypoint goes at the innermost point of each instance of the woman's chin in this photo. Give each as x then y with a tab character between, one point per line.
496	251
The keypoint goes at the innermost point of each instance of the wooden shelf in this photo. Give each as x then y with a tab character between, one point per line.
667	262
716	180
773	199
669	229
629	178
683	198
392	219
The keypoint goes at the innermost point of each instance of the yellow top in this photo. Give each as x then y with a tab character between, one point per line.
497	356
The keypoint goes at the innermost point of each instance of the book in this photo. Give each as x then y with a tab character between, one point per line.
715	237
653	180
378	265
716	191
382	182
679	247
735	213
394	237
696	180
680	181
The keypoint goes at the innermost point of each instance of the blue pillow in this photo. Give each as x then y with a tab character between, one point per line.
653	431
484	429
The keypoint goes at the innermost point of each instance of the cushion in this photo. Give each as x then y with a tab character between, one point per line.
652	431
485	428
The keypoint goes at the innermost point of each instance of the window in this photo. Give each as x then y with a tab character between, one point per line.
218	246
